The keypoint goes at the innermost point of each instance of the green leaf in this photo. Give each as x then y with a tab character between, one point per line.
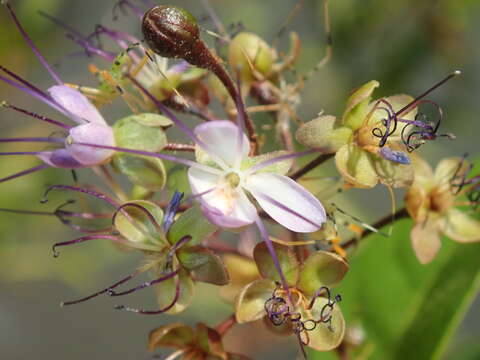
322	268
383	284
177	179
193	223
143	171
441	306
153	120
250	302
204	263
132	132
286	257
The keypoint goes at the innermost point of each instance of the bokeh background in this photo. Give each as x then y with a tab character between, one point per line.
407	45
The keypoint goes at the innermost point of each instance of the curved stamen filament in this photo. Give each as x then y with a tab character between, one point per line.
277	159
98	195
35	116
167	157
144	285
155	312
34	139
24	172
35	50
184	128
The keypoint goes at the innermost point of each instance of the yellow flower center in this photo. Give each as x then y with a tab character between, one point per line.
232	179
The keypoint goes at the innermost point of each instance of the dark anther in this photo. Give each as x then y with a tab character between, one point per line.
418	132
171	210
474	197
387	122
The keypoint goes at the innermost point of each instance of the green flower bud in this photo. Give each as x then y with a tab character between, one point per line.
248	50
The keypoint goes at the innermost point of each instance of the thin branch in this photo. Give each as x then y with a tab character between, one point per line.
311	165
389	219
226	325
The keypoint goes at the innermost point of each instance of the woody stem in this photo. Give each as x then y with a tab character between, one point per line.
226	325
391	218
310	166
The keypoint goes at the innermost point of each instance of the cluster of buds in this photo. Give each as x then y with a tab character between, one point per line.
227	182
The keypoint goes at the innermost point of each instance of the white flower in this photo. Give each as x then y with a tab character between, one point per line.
230	177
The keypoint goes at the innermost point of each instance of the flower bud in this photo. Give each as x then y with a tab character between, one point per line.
248	52
170	31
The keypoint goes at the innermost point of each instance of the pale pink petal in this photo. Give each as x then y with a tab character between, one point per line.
90	133
461	227
221	136
222	205
287	202
76	103
426	240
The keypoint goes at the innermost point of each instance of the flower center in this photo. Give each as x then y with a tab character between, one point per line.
232	179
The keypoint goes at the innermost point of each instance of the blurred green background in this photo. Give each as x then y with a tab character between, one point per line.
407	45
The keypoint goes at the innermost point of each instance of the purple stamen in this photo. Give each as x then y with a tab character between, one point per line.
276	159
24	172
36	116
156	155
84	191
89	48
34	139
83	239
174	248
31	90
387	122
27	212
186	130
118	283
61	24
79	38
121	3
273	254
121	38
414	102
144	285
22	153
155	312
35	50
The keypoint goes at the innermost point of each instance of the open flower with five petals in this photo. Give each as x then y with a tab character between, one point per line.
229	179
432	201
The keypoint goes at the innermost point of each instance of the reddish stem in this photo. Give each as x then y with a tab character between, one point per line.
226	325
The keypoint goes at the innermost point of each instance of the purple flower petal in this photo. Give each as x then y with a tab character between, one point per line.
92	133
60	158
76	103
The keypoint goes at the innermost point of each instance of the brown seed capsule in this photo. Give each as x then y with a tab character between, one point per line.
172	32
